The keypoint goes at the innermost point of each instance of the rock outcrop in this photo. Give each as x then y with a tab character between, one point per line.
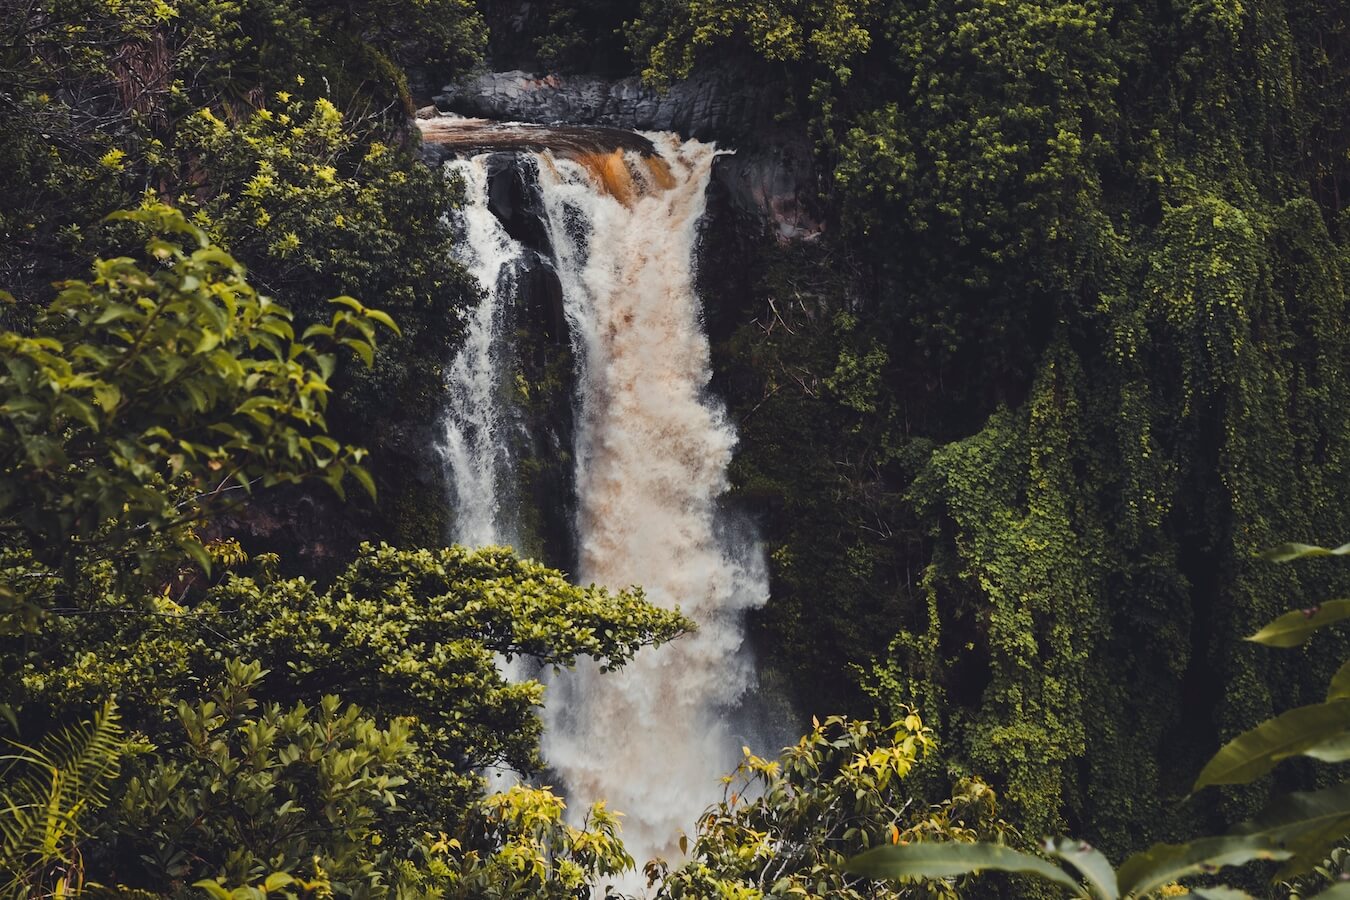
720	104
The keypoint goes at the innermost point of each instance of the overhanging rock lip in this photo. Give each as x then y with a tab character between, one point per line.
447	136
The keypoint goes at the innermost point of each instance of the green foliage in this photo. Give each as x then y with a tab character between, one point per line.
1293	628
317	204
102	102
785	826
818	424
147	396
516	844
672	36
1099	318
1301	827
937	861
248	790
407	635
1023	540
51	792
1140	875
1331	870
304	801
1305	731
587	35
94	94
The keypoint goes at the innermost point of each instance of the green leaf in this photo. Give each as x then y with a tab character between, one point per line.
1254	753
1165	863
1308	823
934	861
1334	749
1293	628
1095	868
361	475
363	350
350	302
107	395
198	553
1340	683
210	340
1289	552
276	881
212	888
1335	892
384	319
1219	892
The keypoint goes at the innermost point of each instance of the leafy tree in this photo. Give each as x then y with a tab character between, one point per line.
149	396
307	800
248	790
404	634
785	826
318	204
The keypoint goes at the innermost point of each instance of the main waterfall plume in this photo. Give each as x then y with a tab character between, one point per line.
653	450
652	447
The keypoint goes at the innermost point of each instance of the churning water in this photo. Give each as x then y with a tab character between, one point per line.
652	450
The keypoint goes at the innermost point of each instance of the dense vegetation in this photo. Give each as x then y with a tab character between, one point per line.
1071	355
1070	352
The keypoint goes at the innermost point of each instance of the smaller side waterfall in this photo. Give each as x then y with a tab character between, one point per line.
477	448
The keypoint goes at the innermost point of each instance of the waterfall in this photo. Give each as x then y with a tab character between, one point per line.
476	447
652	447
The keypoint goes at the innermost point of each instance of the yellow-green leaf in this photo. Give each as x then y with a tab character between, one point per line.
1293	628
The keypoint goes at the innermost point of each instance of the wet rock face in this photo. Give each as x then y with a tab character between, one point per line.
777	185
543	416
515	199
447	137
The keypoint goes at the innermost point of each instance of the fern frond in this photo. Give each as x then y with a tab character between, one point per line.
51	787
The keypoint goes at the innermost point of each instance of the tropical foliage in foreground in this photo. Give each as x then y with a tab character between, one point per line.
272	736
1301	829
785	826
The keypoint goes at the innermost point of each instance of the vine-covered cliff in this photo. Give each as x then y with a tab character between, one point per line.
1066	350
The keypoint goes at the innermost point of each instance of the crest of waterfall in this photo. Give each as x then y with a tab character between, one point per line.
476	447
652	447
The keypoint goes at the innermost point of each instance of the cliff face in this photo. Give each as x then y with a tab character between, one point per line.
721	103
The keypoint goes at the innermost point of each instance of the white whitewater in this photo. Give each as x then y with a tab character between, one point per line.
476	447
652	450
